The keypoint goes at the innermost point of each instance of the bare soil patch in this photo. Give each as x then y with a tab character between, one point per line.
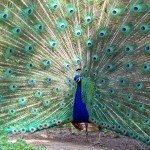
63	139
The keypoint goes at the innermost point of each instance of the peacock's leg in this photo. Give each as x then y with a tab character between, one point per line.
99	139
98	142
86	127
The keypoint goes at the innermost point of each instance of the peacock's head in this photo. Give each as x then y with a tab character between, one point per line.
77	78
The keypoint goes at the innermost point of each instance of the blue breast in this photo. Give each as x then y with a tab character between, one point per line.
80	113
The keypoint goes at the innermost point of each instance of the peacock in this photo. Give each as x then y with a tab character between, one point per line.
74	61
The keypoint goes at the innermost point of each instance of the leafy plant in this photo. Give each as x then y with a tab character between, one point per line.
18	145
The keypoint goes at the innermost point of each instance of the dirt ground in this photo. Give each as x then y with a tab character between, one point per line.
57	139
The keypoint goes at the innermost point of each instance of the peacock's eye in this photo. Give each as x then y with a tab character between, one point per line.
89	43
48	62
17	30
145	66
55	6
124	29
71	11
78	61
121	81
128	65
54	44
62	25
143	28
127	49
138	84
10	50
114	12
40	27
136	8
108	50
30	48
78	33
101	34
148	48
5	16
88	19
29	11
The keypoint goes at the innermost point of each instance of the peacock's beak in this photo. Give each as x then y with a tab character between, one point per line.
78	80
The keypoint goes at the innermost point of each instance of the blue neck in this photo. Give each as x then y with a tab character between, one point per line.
80	113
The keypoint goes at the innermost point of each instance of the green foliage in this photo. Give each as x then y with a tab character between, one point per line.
18	145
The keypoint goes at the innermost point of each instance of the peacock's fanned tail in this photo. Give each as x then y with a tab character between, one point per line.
43	42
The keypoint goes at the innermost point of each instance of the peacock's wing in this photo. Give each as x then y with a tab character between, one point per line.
88	92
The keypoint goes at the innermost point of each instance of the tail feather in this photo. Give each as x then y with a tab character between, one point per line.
44	42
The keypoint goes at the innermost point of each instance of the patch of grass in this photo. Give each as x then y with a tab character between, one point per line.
18	145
